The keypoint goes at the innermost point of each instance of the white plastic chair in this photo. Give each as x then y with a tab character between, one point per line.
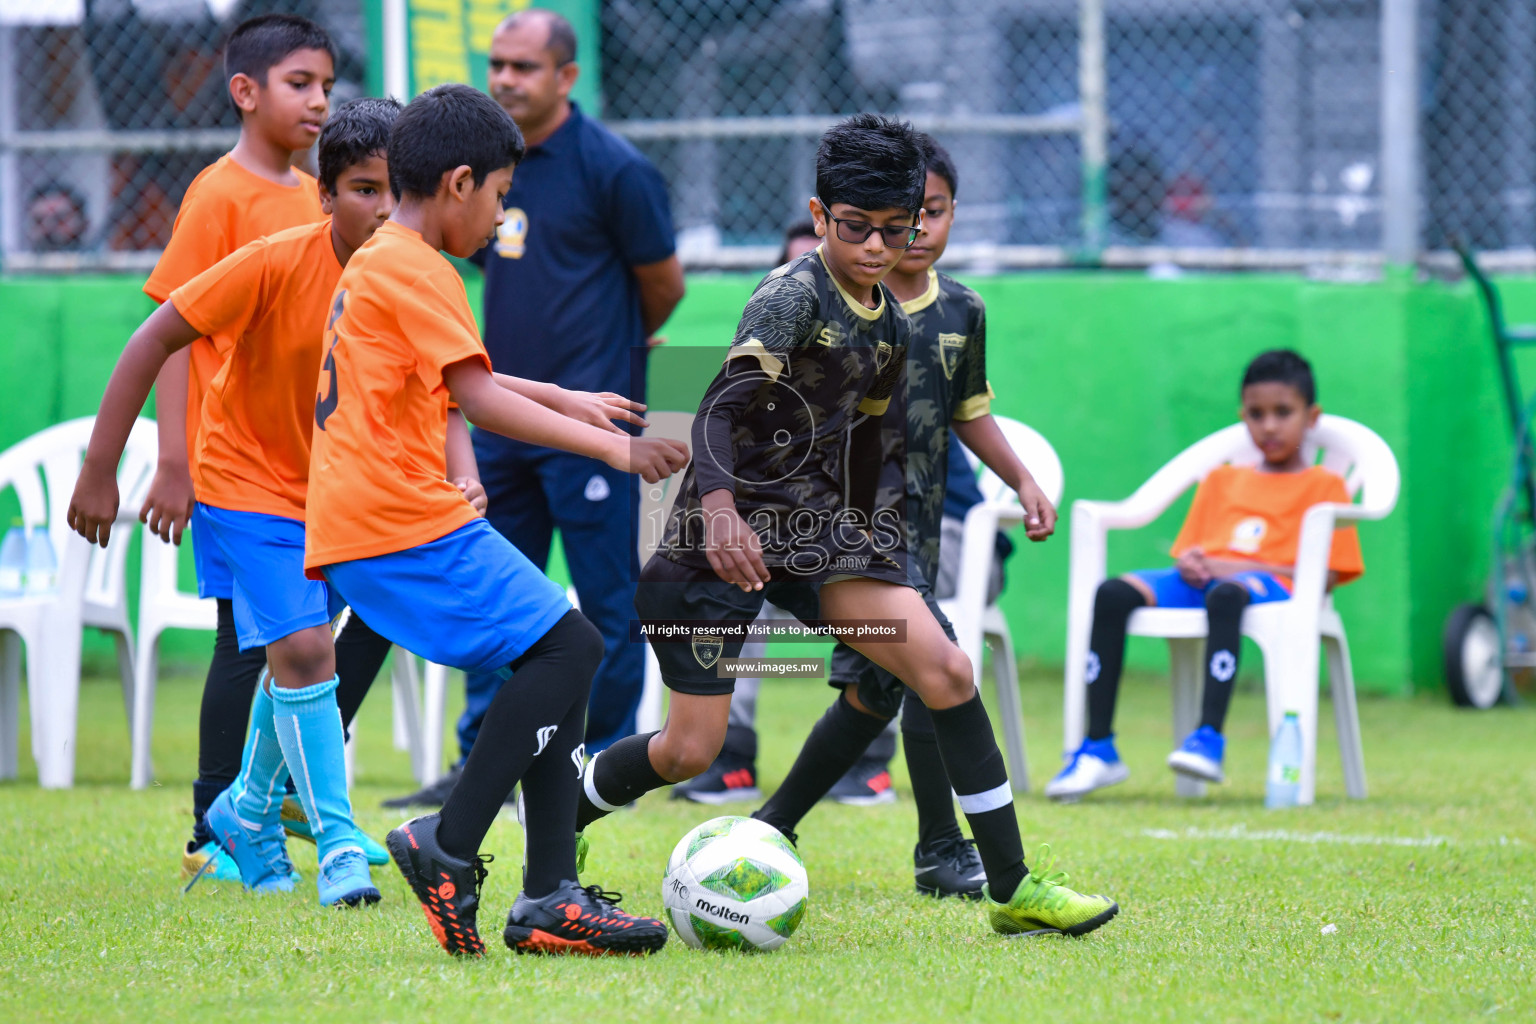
978	623
1287	632
42	470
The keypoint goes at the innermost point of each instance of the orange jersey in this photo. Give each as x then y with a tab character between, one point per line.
265	306
225	207
1239	512
377	469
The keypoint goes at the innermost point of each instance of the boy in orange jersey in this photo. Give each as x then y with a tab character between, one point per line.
264	306
1237	548
403	549
280	69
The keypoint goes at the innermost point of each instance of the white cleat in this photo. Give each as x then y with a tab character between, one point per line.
1087	771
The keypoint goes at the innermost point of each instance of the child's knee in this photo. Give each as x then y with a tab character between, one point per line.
299	659
1116	598
948	681
1227	598
678	758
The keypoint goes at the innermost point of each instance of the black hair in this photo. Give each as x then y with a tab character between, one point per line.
1282	366
871	162
445	127
799	229
562	37
938	160
357	130
258	43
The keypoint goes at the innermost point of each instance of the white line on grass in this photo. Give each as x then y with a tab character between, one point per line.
1281	835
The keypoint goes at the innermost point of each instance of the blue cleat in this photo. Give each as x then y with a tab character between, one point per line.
208	861
258	853
1199	756
296	824
344	878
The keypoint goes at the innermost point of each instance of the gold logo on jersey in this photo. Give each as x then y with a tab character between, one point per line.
511	233
950	348
832	334
883	352
707	648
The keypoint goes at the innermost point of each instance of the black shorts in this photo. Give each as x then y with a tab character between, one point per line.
668	592
878	690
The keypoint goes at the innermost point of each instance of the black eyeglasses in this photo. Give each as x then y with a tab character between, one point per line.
895	236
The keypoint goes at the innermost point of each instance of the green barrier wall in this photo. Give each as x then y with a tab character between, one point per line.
1119	371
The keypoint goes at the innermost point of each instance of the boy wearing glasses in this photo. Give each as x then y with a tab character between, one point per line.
779	504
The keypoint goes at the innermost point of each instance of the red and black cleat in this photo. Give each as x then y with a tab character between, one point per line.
584	920
448	888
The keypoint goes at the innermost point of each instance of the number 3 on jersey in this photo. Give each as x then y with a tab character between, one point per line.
326	404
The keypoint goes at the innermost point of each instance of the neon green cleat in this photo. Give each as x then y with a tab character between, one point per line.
582	846
296	824
1043	905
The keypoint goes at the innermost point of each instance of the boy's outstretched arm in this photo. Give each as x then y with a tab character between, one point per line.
168	505
983	436
597	408
93	506
463	470
488	405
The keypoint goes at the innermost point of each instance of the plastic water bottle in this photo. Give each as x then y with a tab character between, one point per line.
13	561
42	563
1284	781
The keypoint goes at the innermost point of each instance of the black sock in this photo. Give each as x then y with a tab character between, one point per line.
930	782
360	653
1112	608
976	770
529	719
836	742
1224	605
223	717
613	778
550	788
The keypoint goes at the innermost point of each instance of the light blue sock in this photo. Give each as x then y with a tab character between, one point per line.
258	790
309	728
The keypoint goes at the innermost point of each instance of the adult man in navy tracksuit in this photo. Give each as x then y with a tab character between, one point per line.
582	273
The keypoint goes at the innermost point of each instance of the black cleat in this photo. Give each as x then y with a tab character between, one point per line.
866	784
728	780
448	888
949	867
434	795
580	919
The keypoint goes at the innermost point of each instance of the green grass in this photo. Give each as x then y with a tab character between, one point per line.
1429	883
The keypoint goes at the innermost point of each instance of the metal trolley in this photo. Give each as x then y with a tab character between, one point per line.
1485	644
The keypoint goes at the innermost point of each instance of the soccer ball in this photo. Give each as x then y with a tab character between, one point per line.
735	883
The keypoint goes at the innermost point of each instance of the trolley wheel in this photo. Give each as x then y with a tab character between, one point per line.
1474	670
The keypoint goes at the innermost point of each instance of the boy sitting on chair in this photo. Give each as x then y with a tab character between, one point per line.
1237	548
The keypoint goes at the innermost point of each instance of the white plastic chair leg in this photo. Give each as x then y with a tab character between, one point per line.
10	703
1005	679
1346	717
434	703
125	671
648	718
53	684
406	692
1184	656
141	720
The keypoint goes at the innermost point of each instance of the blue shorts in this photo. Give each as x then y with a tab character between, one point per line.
265	557
213	576
469	600
1172	592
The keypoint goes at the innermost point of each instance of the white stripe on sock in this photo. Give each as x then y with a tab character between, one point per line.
591	788
315	822
991	800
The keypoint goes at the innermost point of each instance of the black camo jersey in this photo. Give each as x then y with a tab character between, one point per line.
946	380
807	364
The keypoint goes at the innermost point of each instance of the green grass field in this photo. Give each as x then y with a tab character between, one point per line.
1429	884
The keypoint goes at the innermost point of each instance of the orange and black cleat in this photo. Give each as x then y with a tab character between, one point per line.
584	920
448	888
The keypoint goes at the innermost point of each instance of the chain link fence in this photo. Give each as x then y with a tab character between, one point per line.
1233	133
109	109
